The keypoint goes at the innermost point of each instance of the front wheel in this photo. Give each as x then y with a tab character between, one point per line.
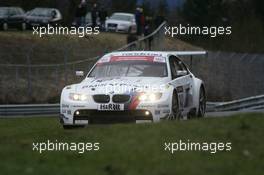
175	111
202	103
68	127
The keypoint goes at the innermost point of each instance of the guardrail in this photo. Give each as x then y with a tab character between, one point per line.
29	110
251	103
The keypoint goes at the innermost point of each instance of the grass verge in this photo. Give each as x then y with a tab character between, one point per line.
134	149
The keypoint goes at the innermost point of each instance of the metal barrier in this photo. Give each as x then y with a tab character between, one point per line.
28	110
250	104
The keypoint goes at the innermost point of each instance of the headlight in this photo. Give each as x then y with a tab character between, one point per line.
149	97
78	97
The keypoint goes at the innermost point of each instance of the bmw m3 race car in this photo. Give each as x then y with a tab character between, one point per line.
133	87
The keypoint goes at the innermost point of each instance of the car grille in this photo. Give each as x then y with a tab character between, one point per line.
112	25
101	98
121	98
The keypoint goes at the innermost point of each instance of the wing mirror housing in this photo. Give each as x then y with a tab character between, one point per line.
79	73
182	73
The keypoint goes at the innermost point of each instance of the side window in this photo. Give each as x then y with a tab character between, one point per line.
178	69
173	67
19	11
178	65
12	12
182	69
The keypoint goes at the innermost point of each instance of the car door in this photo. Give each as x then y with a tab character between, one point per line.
182	81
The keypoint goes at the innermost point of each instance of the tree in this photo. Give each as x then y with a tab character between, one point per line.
124	6
203	12
148	9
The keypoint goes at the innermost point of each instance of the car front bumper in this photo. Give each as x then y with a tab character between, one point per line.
84	113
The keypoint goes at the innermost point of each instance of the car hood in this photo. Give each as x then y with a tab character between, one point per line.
118	85
118	21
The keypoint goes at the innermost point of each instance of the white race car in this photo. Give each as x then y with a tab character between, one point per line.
133	87
121	22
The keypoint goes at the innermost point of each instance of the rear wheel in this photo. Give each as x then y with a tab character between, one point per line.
202	103
175	111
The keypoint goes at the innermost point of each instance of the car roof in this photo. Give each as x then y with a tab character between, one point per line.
138	53
10	8
126	14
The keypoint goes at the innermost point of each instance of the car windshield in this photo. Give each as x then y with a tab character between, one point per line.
3	11
129	69
121	17
40	12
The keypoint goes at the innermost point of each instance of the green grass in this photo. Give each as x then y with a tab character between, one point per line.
134	149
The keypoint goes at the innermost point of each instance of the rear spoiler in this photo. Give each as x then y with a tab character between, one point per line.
191	54
188	53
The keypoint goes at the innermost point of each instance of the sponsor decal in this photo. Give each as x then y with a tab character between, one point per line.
69	112
78	106
160	59
163	106
134	103
167	111
104	60
157	112
65	106
111	107
147	106
81	122
142	54
149	58
132	58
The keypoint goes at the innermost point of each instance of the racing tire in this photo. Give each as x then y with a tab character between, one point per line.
202	103
175	110
69	127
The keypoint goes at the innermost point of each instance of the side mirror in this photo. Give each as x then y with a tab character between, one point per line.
182	73
79	73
